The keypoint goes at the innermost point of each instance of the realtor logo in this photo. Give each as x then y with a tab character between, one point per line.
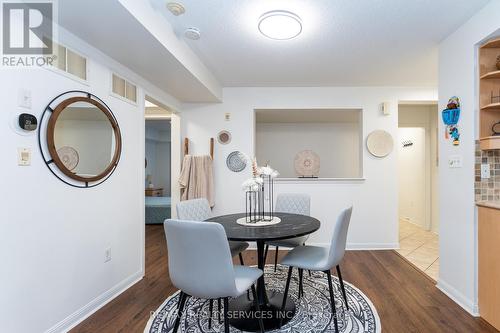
27	27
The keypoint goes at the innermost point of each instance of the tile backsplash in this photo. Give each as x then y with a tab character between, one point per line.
487	189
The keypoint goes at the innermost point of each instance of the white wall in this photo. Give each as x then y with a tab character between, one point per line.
374	223
53	236
411	167
337	145
458	231
163	166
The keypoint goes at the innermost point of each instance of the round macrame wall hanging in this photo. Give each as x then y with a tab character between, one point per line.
307	164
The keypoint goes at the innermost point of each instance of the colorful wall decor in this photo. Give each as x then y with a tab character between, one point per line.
451	115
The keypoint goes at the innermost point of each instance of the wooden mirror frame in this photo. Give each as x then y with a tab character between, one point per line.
51	139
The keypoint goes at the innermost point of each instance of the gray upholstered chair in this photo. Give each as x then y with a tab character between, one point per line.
200	265
199	210
322	259
293	203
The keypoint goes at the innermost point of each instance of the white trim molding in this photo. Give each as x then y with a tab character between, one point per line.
90	308
468	305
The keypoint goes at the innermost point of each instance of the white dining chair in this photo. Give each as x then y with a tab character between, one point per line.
200	265
322	259
294	203
199	210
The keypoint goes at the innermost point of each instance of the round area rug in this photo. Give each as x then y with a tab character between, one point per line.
313	310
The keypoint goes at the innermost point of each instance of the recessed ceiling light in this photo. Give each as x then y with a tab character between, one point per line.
280	25
192	33
176	8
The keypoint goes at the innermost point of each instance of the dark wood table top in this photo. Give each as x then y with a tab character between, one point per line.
291	226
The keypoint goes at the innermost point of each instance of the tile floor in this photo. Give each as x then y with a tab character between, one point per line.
420	247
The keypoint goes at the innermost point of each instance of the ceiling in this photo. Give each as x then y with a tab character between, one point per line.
114	30
343	42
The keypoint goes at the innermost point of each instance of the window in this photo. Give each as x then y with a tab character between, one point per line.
123	88
70	62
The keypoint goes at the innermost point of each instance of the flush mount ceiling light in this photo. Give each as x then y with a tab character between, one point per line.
176	8
280	25
192	33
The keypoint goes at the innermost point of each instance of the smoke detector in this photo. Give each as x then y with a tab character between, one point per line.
176	8
192	33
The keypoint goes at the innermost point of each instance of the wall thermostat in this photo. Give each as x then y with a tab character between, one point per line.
27	122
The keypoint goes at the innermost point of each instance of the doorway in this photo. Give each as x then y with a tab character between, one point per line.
418	186
158	161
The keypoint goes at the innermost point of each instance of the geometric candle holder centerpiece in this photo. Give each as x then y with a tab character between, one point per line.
259	194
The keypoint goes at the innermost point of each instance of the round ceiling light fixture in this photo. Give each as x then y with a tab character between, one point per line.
176	8
280	25
192	33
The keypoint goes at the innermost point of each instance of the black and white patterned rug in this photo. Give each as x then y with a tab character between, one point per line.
313	311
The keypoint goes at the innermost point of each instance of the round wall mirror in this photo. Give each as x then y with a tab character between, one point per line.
83	139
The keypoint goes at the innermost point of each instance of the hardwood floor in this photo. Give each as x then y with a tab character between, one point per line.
406	300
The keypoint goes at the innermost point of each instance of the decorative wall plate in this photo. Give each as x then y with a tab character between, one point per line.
236	161
69	157
224	137
379	143
307	164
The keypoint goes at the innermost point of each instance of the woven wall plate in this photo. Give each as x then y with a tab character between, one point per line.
236	161
224	137
307	164
379	143
69	157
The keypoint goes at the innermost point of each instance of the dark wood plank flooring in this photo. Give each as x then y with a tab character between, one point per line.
406	300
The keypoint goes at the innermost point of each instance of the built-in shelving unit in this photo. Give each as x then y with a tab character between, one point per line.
489	94
491	75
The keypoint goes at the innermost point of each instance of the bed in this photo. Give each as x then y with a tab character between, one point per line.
157	209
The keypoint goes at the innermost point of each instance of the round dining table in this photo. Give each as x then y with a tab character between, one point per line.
243	313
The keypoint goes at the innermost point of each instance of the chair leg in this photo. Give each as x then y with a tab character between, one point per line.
285	295
265	253
220	309
180	299
301	286
310	275
339	274
257	307
226	316
276	258
210	313
332	300
182	302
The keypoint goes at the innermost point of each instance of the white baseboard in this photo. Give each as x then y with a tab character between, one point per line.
352	246
372	246
458	298
83	313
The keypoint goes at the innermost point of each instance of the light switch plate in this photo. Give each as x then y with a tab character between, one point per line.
23	156
485	171
455	161
24	98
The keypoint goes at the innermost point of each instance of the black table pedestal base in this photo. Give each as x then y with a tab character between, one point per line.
244	316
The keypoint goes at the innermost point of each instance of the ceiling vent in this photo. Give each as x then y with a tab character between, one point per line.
192	33
176	8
